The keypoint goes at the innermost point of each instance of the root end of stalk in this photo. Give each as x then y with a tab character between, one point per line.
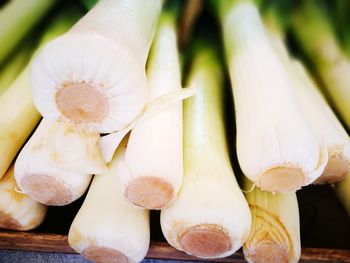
100	254
206	241
268	252
47	189
282	179
8	222
81	103
335	171
150	192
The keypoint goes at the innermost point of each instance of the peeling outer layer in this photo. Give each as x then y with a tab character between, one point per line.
100	254
110	142
205	241
80	152
150	192
269	240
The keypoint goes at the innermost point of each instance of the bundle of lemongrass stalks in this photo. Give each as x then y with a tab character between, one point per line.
118	124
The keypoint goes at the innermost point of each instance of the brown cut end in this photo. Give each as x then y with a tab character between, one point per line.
47	189
8	222
267	252
335	171
103	255
282	179
81	102
206	241
150	192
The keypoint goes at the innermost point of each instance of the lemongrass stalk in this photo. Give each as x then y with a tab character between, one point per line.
17	210
316	37
324	122
154	153
14	66
276	147
96	70
107	227
17	18
210	217
326	125
55	165
343	192
275	232
18	116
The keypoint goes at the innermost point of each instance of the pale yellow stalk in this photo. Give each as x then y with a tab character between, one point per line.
14	66
154	153
210	217
323	121
17	210
107	227
56	165
276	146
275	233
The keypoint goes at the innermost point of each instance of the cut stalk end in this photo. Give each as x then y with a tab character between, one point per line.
336	170
150	192
101	254
81	102
8	222
206	241
47	189
268	252
274	235
282	179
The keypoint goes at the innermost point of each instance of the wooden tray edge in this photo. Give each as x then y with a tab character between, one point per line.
158	250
